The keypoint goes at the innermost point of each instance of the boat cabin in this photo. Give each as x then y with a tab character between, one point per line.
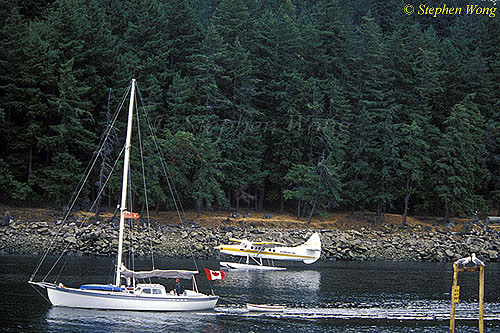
150	290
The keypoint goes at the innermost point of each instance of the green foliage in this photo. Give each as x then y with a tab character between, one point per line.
307	106
11	188
207	179
457	165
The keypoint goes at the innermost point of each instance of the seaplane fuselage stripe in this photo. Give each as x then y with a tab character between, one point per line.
245	252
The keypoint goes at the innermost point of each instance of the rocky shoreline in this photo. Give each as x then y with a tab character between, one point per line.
384	243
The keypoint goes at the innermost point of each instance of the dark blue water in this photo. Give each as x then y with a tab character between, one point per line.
323	297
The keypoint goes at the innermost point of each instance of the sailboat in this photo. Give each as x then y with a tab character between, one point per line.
129	295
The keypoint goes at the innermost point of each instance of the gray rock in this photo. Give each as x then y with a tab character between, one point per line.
492	254
70	239
449	253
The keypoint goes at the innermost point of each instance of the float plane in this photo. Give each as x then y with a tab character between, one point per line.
308	253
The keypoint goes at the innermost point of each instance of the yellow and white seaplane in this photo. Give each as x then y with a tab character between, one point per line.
308	253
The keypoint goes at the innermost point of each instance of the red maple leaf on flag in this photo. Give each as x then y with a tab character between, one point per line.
215	275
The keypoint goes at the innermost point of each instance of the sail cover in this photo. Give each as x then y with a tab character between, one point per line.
163	273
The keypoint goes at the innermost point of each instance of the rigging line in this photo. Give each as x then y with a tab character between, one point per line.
145	187
104	138
152	130
81	223
41	294
175	197
81	184
163	164
170	184
60	271
131	261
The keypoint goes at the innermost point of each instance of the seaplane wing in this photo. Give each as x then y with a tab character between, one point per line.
264	244
267	244
308	252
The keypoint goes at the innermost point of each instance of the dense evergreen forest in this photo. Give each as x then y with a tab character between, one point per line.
306	106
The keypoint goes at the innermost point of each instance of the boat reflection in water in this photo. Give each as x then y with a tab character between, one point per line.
92	320
305	280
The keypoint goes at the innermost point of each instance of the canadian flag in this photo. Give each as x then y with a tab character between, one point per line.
215	275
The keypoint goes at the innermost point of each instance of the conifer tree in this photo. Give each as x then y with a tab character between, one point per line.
68	138
417	74
207	179
185	37
457	168
375	137
277	62
491	52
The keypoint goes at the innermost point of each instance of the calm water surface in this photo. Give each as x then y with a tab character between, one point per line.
323	297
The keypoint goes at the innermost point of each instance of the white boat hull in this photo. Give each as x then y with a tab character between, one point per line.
249	267
76	298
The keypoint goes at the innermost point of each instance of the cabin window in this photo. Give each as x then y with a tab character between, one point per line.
146	291
157	291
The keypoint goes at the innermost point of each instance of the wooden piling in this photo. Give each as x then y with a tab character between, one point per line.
453	303
454	294
481	299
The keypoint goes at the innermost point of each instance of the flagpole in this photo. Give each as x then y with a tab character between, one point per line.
209	280
210	284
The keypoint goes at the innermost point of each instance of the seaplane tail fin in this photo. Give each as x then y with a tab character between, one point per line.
313	246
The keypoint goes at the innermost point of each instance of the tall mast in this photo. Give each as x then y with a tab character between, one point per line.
124	183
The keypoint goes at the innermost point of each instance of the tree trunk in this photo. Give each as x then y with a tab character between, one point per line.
30	162
112	219
282	200
313	208
261	199
99	187
237	194
198	209
256	199
379	212
104	154
407	199
447	214
405	211
298	209
109	198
